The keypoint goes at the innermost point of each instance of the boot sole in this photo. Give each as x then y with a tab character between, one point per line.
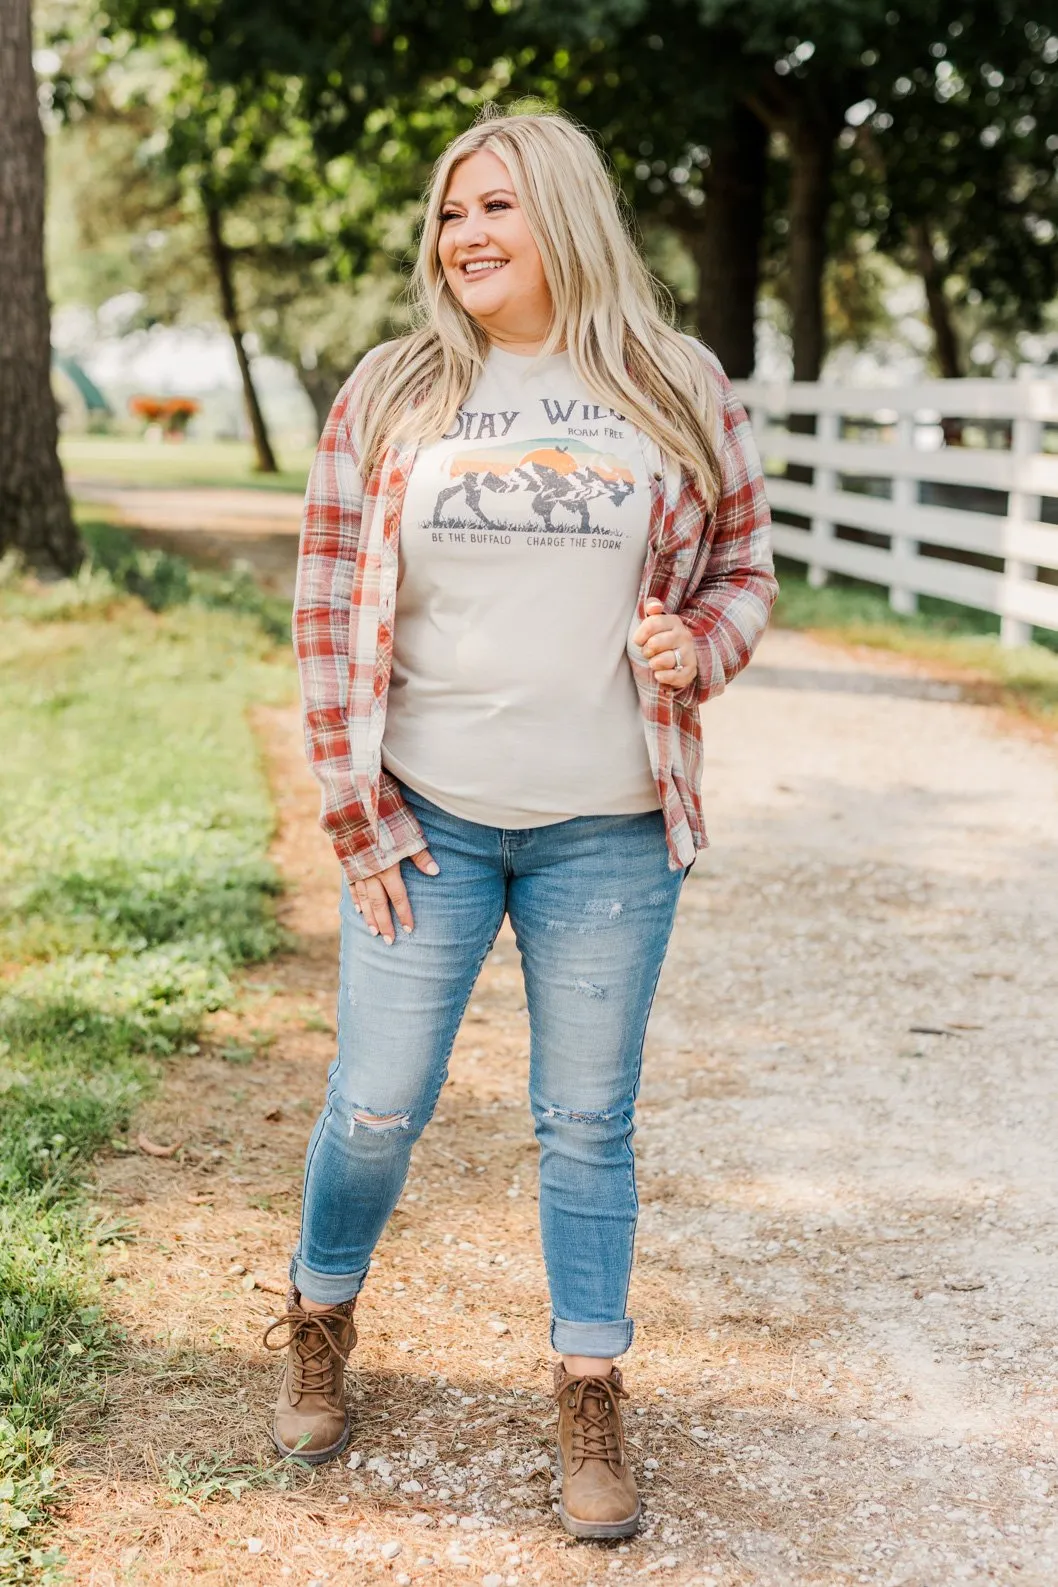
314	1457
599	1531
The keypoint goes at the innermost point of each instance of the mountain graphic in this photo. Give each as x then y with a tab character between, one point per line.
565	459
551	478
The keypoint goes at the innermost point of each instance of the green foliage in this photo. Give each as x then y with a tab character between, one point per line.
133	883
164	143
131	461
27	1489
115	566
957	639
194	1482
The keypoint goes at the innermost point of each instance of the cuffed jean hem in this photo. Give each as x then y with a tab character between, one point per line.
327	1289
602	1339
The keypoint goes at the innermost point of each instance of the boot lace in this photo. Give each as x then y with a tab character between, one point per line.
317	1354
596	1430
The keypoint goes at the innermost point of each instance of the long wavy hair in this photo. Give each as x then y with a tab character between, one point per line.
608	312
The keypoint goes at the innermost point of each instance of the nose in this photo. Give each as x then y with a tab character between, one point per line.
470	232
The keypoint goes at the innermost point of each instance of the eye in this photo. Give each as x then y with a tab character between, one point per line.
498	203
449	214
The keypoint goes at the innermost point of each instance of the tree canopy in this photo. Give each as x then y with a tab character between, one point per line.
768	135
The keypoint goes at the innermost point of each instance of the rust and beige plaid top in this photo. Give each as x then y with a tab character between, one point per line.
714	569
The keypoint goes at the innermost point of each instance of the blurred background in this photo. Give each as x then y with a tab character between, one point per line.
859	191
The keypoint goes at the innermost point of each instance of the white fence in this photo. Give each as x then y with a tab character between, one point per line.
947	488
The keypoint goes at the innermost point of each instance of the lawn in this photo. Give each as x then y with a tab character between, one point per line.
952	641
124	460
134	880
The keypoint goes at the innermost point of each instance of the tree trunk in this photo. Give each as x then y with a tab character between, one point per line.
321	385
945	342
222	264
727	247
811	194
35	517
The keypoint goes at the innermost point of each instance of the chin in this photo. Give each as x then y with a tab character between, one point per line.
484	303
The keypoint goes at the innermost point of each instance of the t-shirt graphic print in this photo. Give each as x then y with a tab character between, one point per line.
522	542
559	485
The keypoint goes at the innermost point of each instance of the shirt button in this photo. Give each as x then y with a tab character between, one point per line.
659	476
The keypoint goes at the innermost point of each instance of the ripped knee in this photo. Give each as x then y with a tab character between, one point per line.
378	1123
588	988
572	1116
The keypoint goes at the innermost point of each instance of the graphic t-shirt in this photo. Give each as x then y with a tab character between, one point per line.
522	544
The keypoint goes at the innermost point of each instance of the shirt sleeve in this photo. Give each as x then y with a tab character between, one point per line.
327	551
733	587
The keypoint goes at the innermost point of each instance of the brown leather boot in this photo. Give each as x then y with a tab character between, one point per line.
311	1420
599	1495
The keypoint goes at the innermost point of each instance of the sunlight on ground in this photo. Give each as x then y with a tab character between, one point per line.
125	460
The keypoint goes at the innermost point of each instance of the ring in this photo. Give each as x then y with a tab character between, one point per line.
677	665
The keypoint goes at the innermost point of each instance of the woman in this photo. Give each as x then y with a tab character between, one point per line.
535	541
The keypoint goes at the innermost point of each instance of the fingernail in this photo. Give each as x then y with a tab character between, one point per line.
406	929
388	941
373	930
433	869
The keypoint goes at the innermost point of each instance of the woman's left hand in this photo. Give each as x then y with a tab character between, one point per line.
663	637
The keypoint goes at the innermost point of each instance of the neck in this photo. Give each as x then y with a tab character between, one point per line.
527	337
526	345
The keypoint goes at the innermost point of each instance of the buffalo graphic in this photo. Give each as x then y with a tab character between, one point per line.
546	475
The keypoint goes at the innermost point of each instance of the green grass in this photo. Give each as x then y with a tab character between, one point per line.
956	640
134	881
125	460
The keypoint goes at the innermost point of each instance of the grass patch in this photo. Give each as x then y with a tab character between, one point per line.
125	460
962	643
116	565
134	824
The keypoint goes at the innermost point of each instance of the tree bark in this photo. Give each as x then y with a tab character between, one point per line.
727	246
321	385
35	517
222	265
811	195
945	342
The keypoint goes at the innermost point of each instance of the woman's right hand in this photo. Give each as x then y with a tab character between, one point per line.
375	896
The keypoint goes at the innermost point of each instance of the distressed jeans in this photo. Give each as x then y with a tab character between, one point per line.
591	901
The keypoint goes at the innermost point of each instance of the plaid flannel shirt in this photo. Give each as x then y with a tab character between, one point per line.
714	569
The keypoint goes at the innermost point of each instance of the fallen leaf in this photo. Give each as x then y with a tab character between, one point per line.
270	1286
199	1198
931	1030
152	1148
273	1115
965	1286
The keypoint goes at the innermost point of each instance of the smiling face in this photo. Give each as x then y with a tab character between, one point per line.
489	257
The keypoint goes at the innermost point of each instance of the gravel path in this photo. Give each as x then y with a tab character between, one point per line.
847	1291
862	1115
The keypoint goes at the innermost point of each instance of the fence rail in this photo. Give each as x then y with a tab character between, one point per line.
944	488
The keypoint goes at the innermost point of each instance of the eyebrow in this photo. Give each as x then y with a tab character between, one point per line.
493	192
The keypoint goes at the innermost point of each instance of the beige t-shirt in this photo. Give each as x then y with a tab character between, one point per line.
522	544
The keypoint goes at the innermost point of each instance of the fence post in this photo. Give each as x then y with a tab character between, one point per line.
1026	440
902	596
825	479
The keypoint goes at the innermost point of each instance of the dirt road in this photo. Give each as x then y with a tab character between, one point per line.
847	1290
214	524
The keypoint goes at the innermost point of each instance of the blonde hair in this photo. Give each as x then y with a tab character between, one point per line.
607	307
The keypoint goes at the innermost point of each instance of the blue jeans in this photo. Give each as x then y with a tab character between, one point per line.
591	901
